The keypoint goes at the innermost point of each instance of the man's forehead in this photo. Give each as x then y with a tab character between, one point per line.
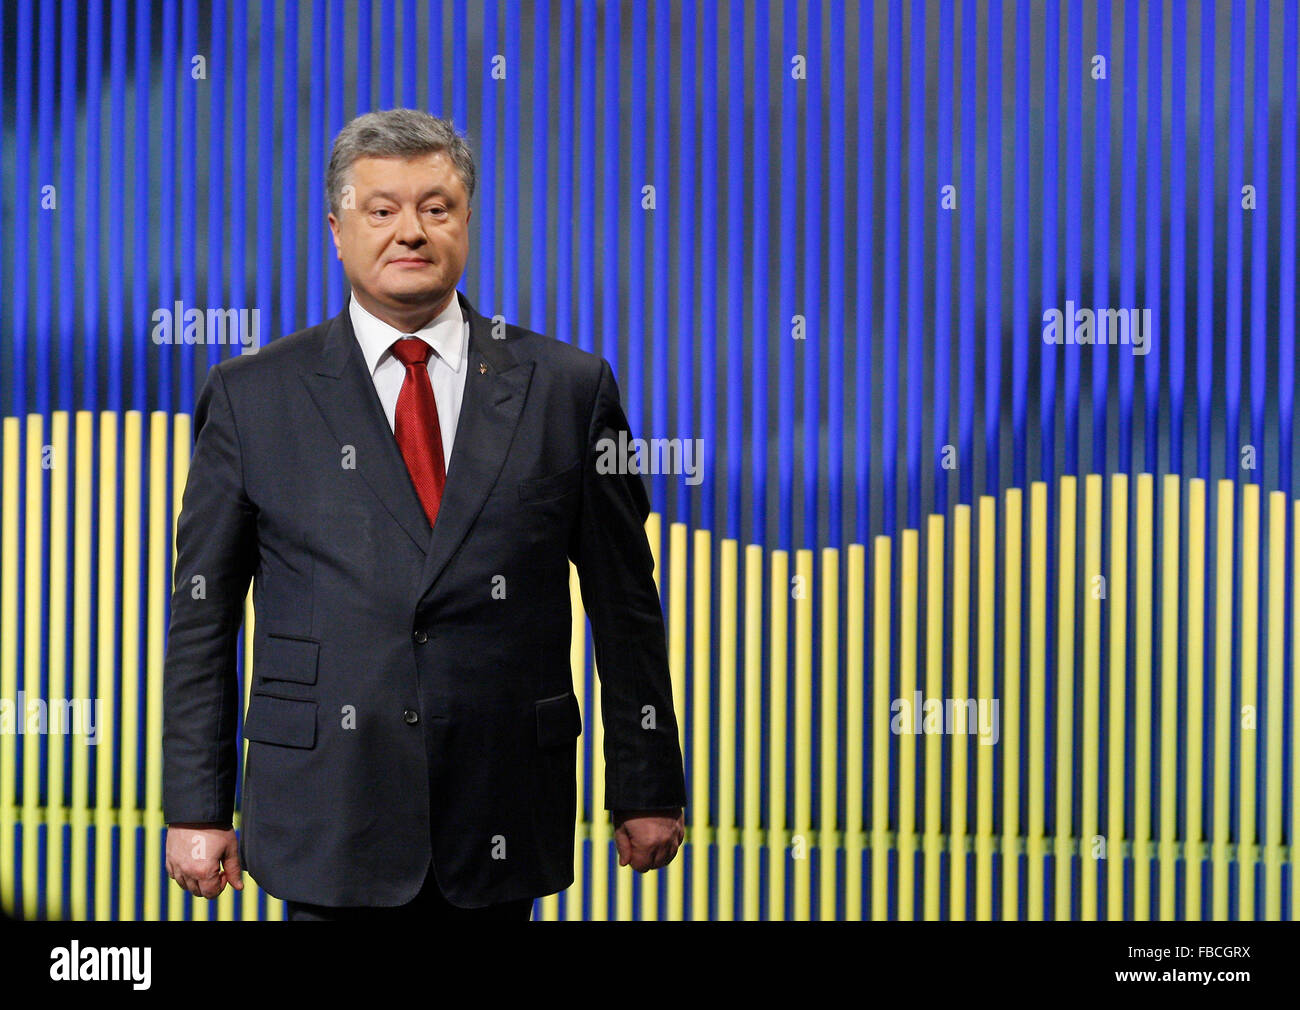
436	169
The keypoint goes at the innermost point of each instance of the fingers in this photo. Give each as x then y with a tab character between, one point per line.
231	870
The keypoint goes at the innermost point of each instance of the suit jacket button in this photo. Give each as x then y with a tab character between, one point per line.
411	716
421	637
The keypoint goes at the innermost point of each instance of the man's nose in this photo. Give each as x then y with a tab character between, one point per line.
409	231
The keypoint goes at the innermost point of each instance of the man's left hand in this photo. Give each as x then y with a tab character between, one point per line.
648	839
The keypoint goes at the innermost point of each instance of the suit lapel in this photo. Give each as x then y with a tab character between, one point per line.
496	385
495	388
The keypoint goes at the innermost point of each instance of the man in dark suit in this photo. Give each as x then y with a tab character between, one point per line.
406	484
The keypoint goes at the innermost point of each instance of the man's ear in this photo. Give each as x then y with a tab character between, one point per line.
334	233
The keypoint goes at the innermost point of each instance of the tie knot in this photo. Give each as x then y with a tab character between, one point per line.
411	351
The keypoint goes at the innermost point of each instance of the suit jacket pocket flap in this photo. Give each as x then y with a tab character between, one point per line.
559	721
285	721
289	659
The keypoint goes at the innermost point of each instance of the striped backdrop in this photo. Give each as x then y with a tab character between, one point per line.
821	238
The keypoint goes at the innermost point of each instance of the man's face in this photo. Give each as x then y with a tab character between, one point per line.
405	238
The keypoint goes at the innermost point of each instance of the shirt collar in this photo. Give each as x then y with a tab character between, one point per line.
445	333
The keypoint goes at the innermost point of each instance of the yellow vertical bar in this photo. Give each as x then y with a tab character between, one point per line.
1117	678
81	575
1065	697
673	877
1223	570
9	656
128	817
880	736
33	589
1170	557
701	662
854	743
1144	636
776	822
961	521
1094	590
1274	766
1295	711
753	831
934	603
106	690
803	615
182	443
1249	742
55	812
1014	535
157	587
1192	833
988	553
827	837
907	646
1035	854
578	664
728	593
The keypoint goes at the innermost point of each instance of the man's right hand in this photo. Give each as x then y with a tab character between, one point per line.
203	858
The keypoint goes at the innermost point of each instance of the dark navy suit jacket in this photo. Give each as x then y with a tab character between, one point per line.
412	697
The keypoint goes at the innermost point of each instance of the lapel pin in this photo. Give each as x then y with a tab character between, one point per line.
482	368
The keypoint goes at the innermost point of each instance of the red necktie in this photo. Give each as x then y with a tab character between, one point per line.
419	435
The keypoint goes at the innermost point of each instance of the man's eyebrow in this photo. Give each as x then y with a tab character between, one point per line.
383	194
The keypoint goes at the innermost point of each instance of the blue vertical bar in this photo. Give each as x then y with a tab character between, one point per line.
893	197
1048	203
735	314
993	257
1205	247
166	223
946	184
44	223
966	200
1286	274
1023	333
790	91
1177	230
813	237
1232	214
834	283
336	86
410	53
67	220
189	212
22	207
707	311
90	292
218	179
587	177
289	166
661	238
365	41
387	53
915	261
541	183
1100	352
316	236
1128	224
1154	201
116	315
266	167
239	161
564	179
760	267
487	168
1259	243
1075	71
510	180
436	61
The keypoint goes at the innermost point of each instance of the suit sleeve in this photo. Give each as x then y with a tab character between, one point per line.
216	552
643	759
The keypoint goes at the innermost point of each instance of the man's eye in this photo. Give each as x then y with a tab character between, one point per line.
438	210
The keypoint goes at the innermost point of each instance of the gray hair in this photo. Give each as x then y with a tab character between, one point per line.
395	133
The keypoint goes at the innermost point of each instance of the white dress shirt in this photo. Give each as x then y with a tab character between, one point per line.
447	333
